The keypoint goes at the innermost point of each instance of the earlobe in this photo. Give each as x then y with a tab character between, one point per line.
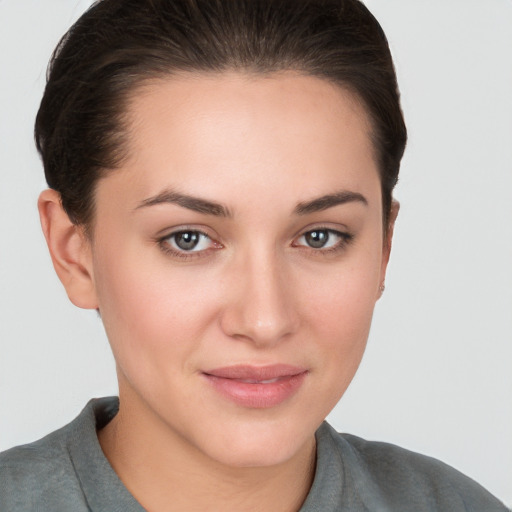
69	249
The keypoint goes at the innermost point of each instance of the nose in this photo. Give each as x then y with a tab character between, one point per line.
261	308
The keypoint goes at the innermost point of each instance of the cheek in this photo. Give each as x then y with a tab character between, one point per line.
152	313
343	326
341	341
340	311
343	302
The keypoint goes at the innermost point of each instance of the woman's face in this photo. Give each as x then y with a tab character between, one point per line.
237	257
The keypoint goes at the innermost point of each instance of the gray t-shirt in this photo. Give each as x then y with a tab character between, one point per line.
67	472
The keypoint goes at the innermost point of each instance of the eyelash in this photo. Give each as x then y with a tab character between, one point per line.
164	245
163	242
344	240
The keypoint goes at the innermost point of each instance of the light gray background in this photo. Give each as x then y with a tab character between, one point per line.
437	375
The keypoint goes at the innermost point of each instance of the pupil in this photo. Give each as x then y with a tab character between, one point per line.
187	240
317	239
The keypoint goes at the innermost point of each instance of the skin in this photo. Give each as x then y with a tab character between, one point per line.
254	293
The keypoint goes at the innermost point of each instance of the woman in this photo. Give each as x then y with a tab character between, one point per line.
221	179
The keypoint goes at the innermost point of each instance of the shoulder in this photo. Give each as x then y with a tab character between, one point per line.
44	473
401	478
39	469
40	457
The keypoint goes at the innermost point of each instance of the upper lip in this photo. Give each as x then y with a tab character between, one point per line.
256	373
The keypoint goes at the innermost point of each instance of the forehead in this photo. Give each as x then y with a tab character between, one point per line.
204	132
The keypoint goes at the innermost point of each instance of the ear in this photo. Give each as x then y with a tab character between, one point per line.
395	207
70	250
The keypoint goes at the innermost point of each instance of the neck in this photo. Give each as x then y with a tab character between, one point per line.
165	473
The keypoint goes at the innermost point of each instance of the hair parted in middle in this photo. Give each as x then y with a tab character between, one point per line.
118	45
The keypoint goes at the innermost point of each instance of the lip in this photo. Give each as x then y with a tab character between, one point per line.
257	387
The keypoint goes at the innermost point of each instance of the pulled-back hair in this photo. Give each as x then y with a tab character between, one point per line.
117	45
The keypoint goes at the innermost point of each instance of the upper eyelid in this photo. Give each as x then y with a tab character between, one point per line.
330	230
168	232
342	234
178	231
342	230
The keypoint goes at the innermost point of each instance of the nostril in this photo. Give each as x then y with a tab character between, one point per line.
269	329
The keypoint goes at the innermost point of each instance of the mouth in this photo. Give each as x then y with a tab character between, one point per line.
257	387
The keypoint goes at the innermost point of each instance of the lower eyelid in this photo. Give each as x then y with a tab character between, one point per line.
168	249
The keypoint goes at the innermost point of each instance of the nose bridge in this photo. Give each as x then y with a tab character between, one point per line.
263	309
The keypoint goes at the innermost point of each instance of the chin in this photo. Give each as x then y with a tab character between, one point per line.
259	444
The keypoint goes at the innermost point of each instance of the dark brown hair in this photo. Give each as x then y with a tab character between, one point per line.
119	44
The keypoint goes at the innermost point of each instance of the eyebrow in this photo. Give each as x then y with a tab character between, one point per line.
328	201
218	210
192	203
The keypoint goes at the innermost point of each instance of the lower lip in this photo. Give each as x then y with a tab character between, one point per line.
258	395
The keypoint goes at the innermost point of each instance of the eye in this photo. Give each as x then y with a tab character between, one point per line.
188	241
323	238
